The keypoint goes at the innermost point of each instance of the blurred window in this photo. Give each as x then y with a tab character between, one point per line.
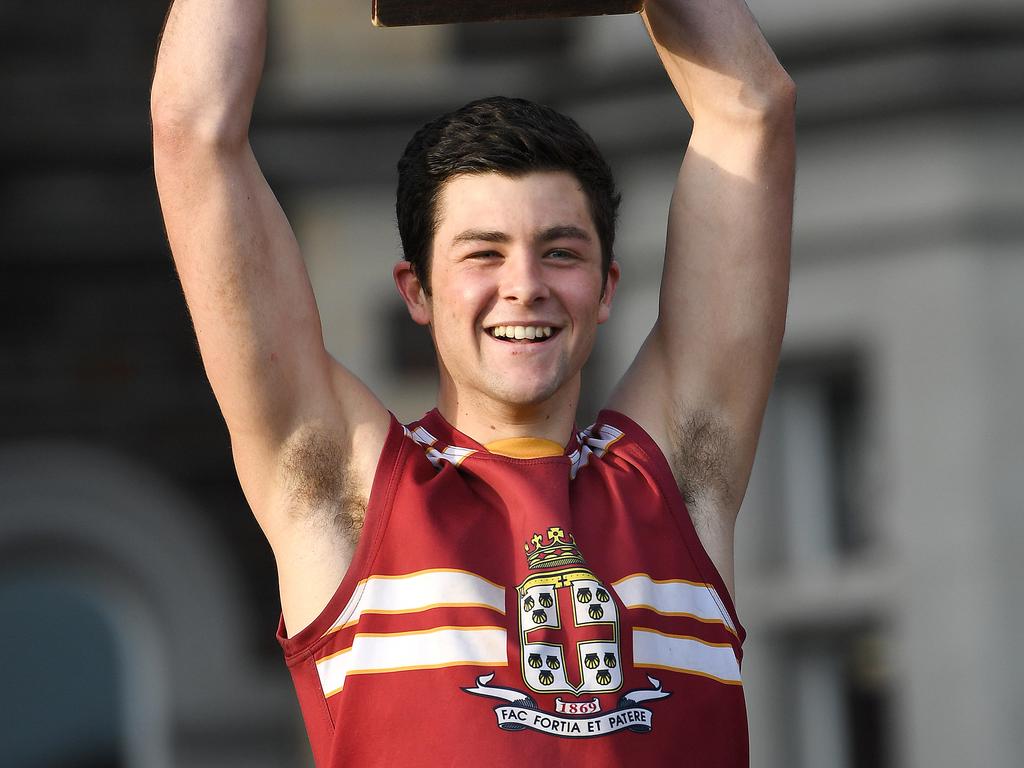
821	416
841	698
832	642
60	673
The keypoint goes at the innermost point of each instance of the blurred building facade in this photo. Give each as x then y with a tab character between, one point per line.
880	538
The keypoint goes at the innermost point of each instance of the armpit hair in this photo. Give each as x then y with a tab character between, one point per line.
703	448
319	483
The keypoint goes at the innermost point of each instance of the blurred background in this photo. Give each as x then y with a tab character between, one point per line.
881	542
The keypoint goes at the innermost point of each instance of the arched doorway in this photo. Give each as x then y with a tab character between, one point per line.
123	609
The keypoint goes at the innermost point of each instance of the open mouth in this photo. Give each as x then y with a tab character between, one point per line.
522	334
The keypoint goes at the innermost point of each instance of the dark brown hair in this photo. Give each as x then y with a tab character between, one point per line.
502	135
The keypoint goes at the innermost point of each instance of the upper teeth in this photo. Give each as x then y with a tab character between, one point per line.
521	331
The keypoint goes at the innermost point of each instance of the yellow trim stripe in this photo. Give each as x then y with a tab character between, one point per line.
663	581
411	611
691	672
683	637
430	631
413	668
614	440
684	615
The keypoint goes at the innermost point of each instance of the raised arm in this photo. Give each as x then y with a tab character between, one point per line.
295	416
701	381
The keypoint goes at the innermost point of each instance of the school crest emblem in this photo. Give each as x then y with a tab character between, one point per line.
568	622
569	640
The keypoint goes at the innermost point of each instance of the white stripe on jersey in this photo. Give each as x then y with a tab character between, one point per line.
673	597
685	654
405	651
420	591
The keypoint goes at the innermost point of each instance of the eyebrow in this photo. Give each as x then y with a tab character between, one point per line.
557	232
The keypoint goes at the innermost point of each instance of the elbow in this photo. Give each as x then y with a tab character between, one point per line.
180	125
768	105
772	102
781	95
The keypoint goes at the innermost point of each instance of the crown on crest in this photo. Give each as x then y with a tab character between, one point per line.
558	548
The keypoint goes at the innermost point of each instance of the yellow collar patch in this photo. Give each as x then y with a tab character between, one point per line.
525	447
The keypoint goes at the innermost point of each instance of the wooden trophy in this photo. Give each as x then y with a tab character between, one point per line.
403	13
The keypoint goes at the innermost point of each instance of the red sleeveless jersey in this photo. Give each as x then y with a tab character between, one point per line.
536	612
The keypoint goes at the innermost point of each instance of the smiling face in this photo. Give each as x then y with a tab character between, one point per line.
517	292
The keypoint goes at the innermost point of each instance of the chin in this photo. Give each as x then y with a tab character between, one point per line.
525	393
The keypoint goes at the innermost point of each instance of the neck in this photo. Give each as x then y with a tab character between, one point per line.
486	420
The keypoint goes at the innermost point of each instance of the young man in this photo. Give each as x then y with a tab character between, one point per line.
487	586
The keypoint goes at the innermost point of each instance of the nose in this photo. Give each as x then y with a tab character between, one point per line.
522	279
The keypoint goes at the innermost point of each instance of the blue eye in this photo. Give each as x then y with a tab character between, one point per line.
559	253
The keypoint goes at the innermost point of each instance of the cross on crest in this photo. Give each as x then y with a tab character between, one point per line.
568	622
569	635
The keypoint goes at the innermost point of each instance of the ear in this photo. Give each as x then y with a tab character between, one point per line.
411	289
610	283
